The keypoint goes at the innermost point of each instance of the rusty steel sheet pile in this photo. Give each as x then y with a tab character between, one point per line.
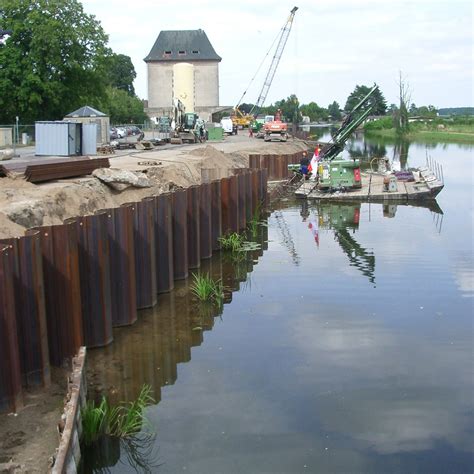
205	225
64	286
164	242
64	169
216	214
94	272
234	221
62	290
30	309
180	232
194	250
242	201
11	394
122	265
145	253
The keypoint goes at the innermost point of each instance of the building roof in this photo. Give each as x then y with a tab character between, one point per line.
184	45
86	111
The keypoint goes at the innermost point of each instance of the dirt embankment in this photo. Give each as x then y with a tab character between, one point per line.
25	205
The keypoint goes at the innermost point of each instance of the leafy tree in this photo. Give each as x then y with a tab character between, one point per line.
51	63
334	111
122	107
413	110
314	112
377	100
289	108
427	112
120	72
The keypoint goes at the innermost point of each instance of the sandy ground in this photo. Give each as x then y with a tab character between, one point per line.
29	438
24	205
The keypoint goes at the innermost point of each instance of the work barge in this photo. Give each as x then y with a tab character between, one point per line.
423	184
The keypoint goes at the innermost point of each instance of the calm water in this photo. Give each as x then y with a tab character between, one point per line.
347	346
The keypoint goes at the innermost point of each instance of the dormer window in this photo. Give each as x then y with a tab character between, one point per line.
168	52
195	51
182	52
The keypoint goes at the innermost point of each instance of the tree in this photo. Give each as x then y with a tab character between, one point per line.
122	107
314	112
334	111
289	108
401	115
377	100
120	72
52	62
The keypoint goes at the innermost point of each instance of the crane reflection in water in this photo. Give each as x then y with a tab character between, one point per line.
343	218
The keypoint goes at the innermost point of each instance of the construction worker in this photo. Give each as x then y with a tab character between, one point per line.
250	131
304	163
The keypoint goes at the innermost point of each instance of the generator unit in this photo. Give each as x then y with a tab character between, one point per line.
339	174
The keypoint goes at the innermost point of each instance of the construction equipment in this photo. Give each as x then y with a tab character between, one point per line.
246	120
187	127
275	129
335	172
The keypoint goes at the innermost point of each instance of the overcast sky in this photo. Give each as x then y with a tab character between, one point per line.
334	45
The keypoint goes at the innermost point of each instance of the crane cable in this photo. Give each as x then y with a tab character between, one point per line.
259	67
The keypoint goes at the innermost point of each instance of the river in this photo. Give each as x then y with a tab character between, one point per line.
344	346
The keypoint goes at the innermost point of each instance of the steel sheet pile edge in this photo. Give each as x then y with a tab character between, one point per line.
194	250
11	394
180	232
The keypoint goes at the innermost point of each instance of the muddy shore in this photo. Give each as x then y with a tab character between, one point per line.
28	439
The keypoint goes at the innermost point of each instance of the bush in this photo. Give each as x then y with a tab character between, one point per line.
384	123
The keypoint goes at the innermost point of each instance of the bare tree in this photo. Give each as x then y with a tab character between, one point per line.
405	100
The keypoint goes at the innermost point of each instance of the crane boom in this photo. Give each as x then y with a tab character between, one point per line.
275	61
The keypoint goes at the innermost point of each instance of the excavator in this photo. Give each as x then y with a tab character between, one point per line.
186	126
246	120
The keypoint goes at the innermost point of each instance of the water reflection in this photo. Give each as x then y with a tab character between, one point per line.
150	351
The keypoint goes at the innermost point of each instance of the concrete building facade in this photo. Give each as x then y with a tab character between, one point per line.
185	66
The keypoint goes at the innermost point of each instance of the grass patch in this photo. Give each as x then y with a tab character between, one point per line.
206	289
233	242
121	421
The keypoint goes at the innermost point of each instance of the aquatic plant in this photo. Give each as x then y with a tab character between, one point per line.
207	289
232	242
120	421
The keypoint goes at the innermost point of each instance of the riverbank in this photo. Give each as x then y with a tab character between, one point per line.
426	136
24	205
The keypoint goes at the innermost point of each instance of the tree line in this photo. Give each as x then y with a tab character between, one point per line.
56	60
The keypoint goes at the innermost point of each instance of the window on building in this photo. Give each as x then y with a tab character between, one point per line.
167	52
195	51
181	52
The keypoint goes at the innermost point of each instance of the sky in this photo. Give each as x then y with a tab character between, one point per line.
334	45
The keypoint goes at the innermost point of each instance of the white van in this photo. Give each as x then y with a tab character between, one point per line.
227	125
